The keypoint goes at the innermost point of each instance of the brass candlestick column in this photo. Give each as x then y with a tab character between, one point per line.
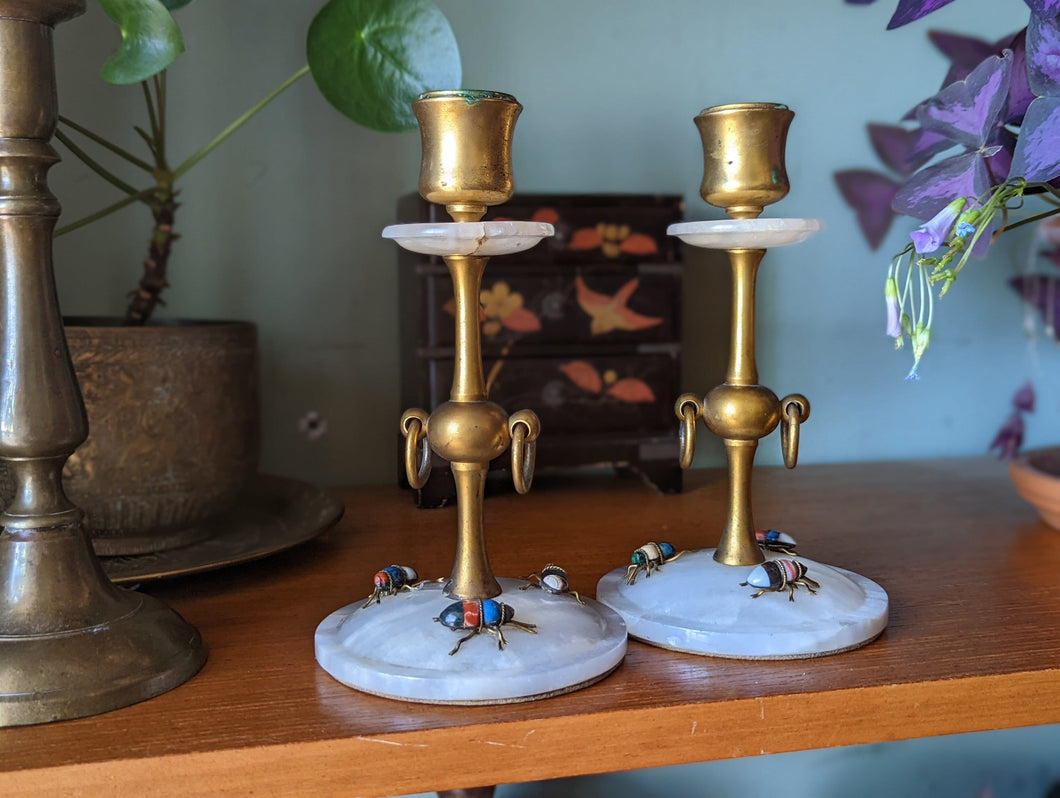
466	165
71	644
754	596
744	170
414	641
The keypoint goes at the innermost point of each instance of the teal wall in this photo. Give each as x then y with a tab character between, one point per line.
281	226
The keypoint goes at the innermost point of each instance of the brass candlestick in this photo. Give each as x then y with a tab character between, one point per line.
400	642
754	596
466	165
744	170
71	644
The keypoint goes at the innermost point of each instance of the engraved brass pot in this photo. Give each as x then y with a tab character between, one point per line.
174	428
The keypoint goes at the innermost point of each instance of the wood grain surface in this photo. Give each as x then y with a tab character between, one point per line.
973	643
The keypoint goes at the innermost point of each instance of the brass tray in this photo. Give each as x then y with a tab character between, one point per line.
272	514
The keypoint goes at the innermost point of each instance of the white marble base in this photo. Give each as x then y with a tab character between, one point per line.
745	233
395	648
483	239
697	605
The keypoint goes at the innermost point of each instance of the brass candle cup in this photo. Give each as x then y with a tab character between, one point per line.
467	150
743	156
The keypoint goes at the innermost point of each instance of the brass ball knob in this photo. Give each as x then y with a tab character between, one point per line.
741	412
469	432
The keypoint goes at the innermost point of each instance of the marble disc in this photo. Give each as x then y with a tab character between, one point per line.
697	605
745	233
468	238
396	649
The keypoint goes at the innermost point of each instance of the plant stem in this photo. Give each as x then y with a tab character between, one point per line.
238	123
91	164
146	296
102	142
1030	219
117	206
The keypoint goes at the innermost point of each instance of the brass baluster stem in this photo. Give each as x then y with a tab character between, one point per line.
469	384
743	369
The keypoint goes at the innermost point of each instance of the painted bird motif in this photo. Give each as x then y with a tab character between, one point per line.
610	313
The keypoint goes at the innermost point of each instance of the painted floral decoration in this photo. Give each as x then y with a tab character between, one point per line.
609	313
613	240
502	308
962	161
587	377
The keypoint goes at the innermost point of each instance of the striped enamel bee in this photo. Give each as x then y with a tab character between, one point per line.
477	615
773	540
649	557
554	580
390	580
776	576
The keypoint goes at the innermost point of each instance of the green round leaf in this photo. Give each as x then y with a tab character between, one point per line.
372	58
151	40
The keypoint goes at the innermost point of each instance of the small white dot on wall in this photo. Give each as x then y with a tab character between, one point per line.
313	425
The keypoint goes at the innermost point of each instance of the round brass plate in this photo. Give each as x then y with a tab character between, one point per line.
271	515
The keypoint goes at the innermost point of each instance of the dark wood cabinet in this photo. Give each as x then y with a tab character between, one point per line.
584	329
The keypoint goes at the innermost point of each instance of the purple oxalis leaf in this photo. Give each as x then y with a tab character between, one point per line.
1037	155
1043	56
1044	8
1041	292
1023	399
910	10
965	52
967	111
1020	95
905	150
933	188
870	194
1009	438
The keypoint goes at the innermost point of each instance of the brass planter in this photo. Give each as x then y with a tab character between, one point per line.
174	428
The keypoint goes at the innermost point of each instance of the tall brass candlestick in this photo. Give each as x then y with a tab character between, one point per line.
71	644
744	170
467	139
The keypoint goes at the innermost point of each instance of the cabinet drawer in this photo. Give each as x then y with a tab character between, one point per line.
628	394
526	308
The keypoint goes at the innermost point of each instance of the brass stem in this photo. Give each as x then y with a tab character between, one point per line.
738	545
472	577
743	369
469	384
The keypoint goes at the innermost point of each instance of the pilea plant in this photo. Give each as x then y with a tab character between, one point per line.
369	58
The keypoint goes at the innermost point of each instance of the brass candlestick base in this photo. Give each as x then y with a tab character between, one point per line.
71	644
563	642
724	601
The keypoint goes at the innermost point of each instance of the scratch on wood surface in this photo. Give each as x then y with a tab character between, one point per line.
391	742
503	745
761	709
694	724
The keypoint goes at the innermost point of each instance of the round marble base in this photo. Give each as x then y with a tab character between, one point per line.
396	649
745	233
482	239
697	605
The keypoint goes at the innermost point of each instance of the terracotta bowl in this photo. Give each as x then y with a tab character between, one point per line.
1036	475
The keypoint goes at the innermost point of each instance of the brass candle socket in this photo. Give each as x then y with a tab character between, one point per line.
743	153
466	137
71	643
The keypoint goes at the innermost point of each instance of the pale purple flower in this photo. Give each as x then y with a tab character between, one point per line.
932	234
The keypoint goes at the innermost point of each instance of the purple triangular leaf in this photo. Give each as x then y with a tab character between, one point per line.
964	52
1043	56
870	194
999	163
895	146
1020	95
933	188
910	10
1044	8
1037	155
1042	293
967	111
1023	399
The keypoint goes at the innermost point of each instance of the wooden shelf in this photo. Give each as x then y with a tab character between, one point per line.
973	644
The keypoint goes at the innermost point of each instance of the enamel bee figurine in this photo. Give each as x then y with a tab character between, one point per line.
773	540
390	580
776	576
649	557
477	615
554	580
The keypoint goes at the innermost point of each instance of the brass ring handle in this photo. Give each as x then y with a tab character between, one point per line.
688	409
796	411
524	427
417	449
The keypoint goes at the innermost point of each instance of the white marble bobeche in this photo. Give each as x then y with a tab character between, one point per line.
697	605
745	233
483	239
396	649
